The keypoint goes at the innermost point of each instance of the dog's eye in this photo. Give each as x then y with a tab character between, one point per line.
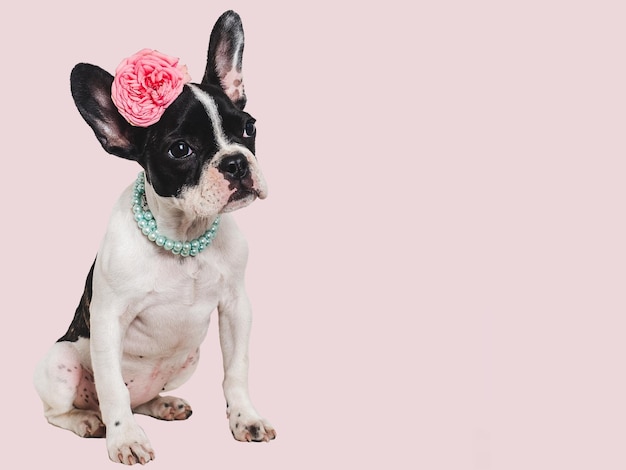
250	129
180	149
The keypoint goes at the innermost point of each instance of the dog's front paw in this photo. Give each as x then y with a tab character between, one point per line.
129	445
250	427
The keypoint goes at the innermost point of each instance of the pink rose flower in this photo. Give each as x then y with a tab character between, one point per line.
145	84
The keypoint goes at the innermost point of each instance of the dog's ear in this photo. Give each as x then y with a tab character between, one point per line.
91	90
223	66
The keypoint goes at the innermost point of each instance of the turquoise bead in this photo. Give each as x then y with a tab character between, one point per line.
148	226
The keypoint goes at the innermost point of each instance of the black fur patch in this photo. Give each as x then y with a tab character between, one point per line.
79	328
186	120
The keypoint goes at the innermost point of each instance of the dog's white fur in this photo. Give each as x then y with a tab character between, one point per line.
150	312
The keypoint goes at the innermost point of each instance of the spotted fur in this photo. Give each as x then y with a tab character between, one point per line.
145	312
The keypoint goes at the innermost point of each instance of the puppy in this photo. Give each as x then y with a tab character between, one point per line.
171	253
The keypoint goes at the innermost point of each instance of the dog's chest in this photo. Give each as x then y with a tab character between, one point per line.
186	283
170	322
172	317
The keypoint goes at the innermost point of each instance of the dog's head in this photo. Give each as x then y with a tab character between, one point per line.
201	151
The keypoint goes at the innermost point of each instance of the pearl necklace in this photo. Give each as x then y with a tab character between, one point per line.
147	224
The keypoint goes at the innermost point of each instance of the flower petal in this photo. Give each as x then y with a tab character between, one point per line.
145	84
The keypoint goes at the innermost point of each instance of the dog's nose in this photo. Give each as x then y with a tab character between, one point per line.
234	166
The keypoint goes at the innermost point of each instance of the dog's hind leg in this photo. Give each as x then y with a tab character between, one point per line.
166	408
68	393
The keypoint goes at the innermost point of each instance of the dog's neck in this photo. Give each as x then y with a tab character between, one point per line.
172	221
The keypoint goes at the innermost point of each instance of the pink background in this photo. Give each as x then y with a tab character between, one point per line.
438	274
